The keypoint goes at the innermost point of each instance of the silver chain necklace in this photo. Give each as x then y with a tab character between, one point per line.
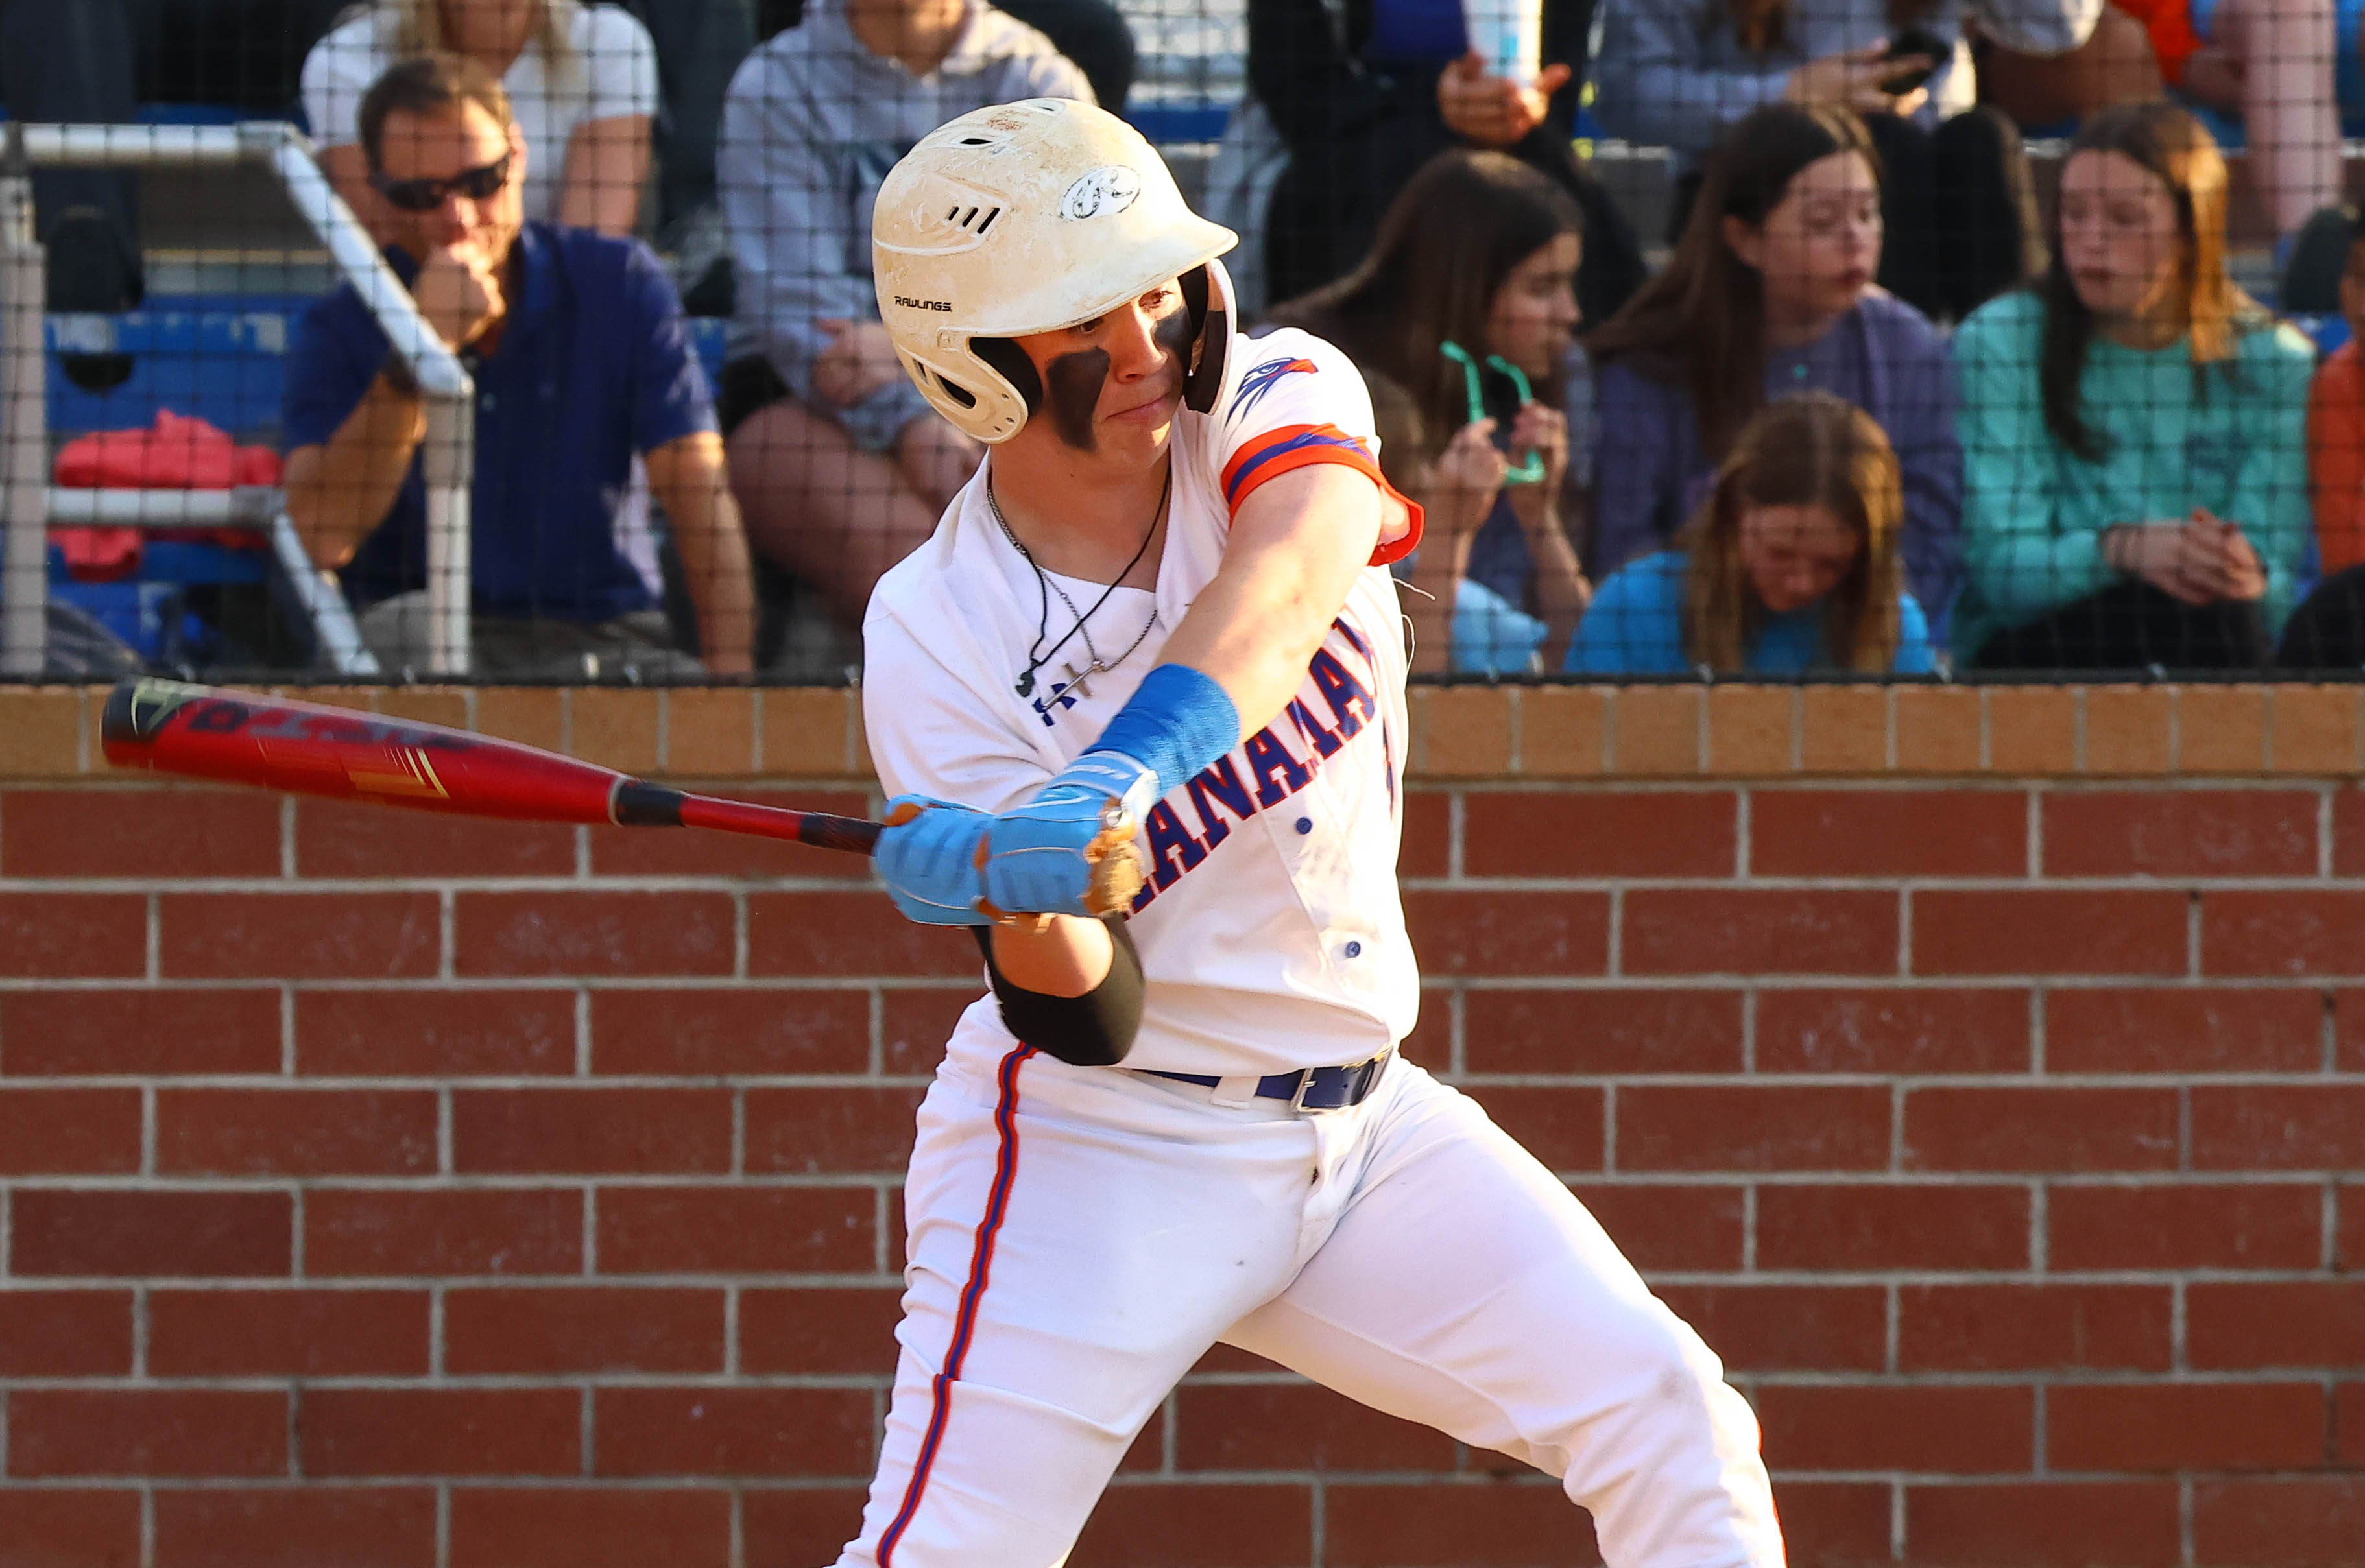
1045	586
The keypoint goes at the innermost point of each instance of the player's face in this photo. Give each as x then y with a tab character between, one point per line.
445	147
1794	555
2119	235
1111	385
1532	319
1818	250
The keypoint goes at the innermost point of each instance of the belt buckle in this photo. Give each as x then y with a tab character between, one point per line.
1297	1101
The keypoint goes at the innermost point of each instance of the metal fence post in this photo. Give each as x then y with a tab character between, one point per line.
24	433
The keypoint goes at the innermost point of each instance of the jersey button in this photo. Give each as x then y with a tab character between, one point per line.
1305	824
1355	949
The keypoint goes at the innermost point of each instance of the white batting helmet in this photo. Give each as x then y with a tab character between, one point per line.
1027	218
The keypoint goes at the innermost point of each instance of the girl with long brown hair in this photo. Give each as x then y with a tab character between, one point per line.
1791	565
1471	283
1771	293
2134	427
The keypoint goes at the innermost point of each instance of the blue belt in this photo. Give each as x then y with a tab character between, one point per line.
1313	1089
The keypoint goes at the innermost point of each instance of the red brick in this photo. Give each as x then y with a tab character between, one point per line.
1561	1126
830	934
913	1024
2048	931
433	1034
2169	1426
346	839
737	1230
2185	1029
2177	1226
2242	1325
800	1526
296	935
2348	1007
2180	833
2282	932
592	934
46	1132
188	1235
1494	1523
62	1527
1673	832
1600	1031
628	852
2349	1245
2263	1126
2048	1328
1833	1524
1685	1229
2348	1426
73	936
2043	1524
579	1328
1758	931
2289	1522
1296	1425
592	1131
65	1334
136	1031
296	1527
297	1333
841	1330
442	1431
402	1231
147	1431
1498	932
294	1132
1855	1227
1758	1126
763	1030
139	835
1872	1030
848	1128
1787	1327
733	1431
2040	1129
1888	832
581	1527
1427	833
1945	1430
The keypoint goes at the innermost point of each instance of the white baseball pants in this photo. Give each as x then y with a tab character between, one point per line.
1079	1237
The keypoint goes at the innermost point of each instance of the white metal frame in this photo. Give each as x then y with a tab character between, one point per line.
29	505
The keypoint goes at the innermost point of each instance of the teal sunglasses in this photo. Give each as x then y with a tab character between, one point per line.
1530	471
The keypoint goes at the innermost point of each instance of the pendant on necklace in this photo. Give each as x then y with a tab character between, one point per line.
1026	684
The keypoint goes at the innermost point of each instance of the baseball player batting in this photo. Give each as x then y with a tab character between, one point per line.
1158	622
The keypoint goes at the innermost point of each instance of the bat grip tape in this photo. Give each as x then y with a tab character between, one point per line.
637	804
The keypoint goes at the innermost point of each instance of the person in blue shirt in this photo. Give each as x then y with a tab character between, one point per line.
1790	566
583	363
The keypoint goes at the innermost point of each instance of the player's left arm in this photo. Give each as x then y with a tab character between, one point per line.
692	482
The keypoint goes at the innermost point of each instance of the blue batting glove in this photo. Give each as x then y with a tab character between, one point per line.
927	857
1040	857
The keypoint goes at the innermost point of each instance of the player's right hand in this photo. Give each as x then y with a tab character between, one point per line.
928	857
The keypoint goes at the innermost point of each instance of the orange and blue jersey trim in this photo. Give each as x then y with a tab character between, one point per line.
1289	447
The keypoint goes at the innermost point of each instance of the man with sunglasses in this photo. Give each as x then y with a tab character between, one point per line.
584	371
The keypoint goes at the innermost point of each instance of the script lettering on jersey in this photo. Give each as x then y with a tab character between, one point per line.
1276	769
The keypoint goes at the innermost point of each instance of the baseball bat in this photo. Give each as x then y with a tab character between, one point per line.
308	748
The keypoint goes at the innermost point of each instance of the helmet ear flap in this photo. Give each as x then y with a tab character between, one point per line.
1211	338
1004	355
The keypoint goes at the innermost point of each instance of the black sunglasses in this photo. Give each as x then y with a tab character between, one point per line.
426	195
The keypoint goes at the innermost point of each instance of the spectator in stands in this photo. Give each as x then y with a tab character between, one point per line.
1479	251
2134	428
582	363
1363	100
1093	33
1956	203
1791	565
582	79
2327	631
94	63
1771	292
842	467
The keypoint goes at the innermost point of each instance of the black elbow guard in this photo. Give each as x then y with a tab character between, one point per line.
1096	1029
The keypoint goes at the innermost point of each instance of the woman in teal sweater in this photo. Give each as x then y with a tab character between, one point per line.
2134	428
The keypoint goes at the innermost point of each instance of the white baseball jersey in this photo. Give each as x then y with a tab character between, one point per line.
1271	934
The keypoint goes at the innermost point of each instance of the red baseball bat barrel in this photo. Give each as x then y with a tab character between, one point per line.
308	748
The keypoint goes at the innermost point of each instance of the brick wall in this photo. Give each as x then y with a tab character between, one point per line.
1984	1072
